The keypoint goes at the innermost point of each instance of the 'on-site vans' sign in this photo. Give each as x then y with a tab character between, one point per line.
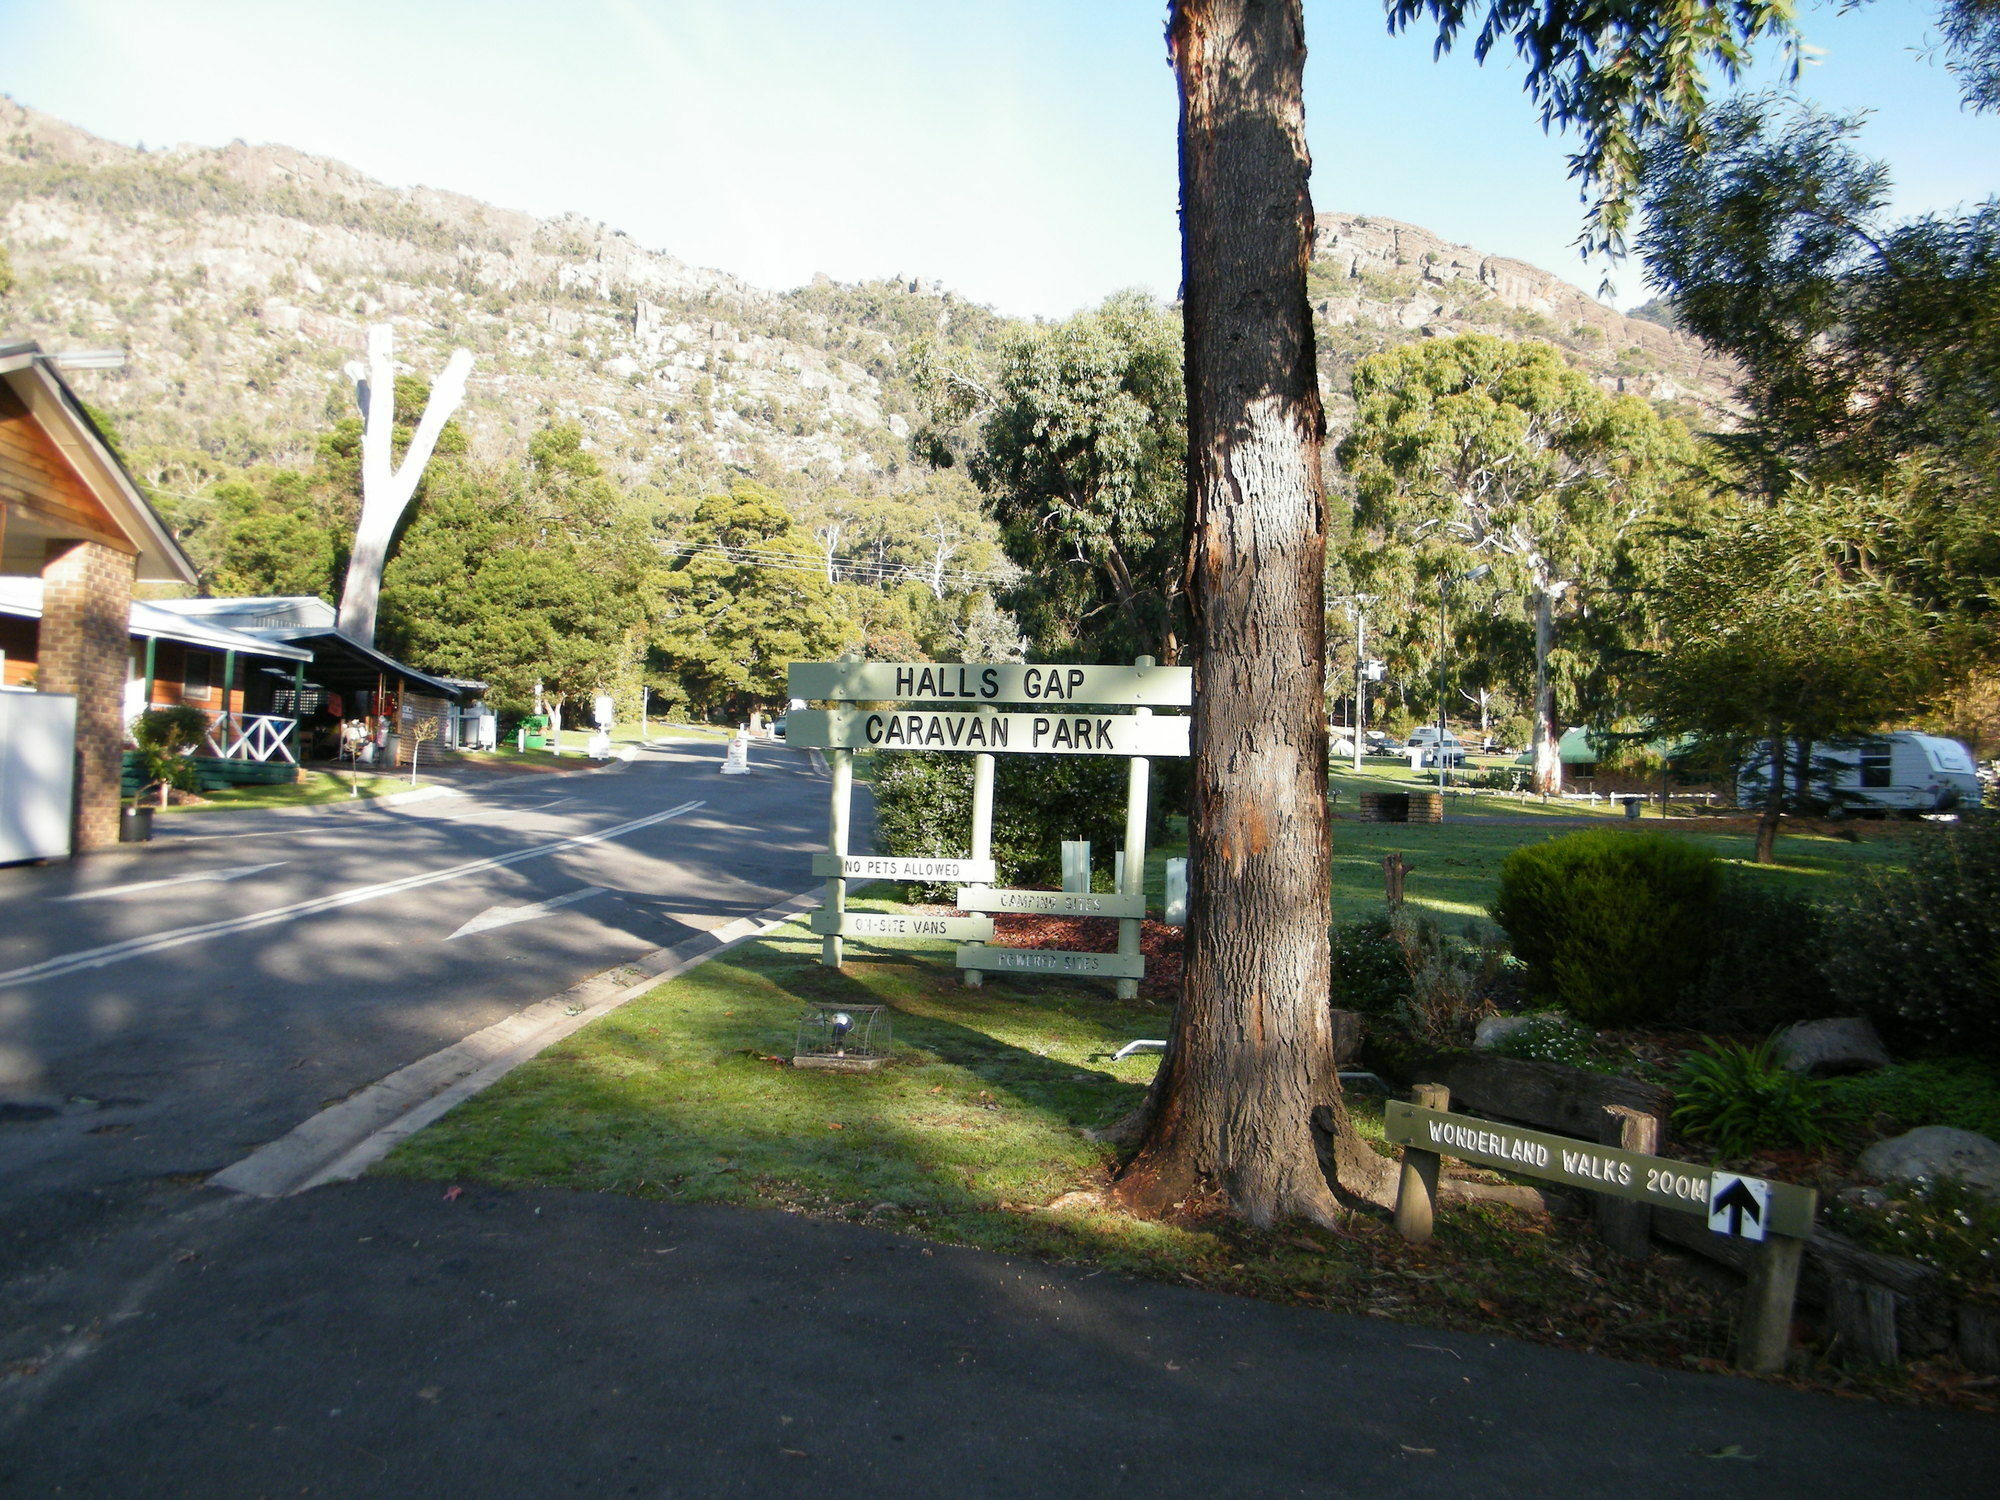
989	682
1026	734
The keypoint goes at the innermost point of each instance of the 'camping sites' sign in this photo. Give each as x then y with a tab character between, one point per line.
1132	907
1783	1209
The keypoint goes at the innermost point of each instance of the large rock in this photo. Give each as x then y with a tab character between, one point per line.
1936	1151
1820	1049
1493	1030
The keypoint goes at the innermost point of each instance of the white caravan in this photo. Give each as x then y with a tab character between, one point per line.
1903	772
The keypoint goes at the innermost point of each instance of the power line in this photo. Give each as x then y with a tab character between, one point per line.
863	569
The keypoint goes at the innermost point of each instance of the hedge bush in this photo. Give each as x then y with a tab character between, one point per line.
1918	950
923	808
1368	973
1610	925
1766	960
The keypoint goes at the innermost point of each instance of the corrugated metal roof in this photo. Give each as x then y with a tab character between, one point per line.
22	597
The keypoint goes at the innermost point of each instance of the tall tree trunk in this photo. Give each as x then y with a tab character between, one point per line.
1774	802
1251	1055
1548	744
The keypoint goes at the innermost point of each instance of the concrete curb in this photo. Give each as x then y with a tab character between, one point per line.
343	1141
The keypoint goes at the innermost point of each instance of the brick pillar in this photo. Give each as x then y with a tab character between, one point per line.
85	649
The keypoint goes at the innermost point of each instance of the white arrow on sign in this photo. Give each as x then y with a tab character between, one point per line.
507	916
236	873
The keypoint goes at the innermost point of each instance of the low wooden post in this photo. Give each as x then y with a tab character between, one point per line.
1625	1226
1764	1329
1393	871
1416	1192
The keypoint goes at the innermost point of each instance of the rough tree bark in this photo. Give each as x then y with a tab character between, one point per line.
1548	744
1774	803
1230	1116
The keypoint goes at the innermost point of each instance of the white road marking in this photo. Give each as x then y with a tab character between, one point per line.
507	916
235	873
111	953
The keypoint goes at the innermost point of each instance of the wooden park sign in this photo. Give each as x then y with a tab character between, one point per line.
1775	1216
1055	727
1756	1210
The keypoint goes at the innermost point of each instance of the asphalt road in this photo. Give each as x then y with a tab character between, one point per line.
158	1020
381	1338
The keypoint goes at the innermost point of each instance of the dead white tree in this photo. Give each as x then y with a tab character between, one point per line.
386	488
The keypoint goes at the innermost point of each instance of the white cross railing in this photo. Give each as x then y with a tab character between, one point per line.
250	737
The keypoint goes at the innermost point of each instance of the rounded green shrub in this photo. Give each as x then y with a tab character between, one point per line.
1368	972
923	808
1918	950
1610	925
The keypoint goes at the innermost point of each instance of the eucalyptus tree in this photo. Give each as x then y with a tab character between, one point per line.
1476	448
1870	345
1250	1059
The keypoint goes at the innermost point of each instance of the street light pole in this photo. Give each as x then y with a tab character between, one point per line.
1472	575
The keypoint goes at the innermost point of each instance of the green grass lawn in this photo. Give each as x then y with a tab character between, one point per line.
1455	866
976	1134
311	790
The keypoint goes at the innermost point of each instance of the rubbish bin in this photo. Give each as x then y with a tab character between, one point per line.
1632	805
135	825
537	727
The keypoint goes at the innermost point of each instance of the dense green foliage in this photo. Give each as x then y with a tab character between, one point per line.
1081	454
726	628
535	575
923	807
1610	925
165	736
1369	974
1740	1099
1766	961
1918	950
1962	1092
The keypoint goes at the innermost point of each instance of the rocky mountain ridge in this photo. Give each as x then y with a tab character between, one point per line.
240	279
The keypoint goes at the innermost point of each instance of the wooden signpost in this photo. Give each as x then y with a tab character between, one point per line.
1775	1215
1065	720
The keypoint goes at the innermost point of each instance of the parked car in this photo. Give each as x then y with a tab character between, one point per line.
1382	744
1450	750
1880	774
778	727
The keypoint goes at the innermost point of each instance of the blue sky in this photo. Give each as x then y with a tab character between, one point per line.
1021	151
